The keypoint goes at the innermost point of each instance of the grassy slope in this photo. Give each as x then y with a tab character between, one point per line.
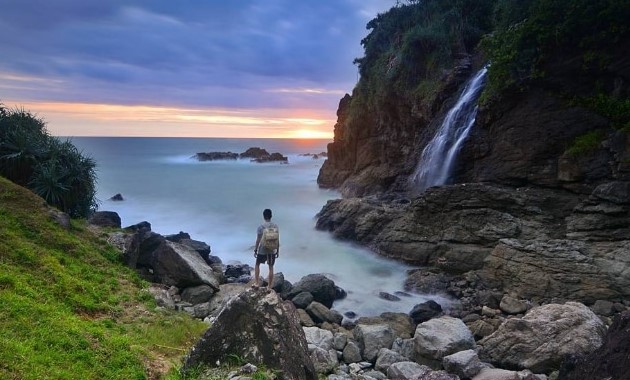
69	309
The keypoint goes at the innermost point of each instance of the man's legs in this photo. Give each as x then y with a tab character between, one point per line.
256	274
270	279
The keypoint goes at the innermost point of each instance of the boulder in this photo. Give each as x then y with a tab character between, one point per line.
413	371
371	338
386	358
318	337
212	156
60	217
340	339
105	219
321	287
511	305
480	328
128	244
543	337
352	352
305	319
248	325
179	265
254	152
320	313
465	364
224	295
609	361
399	322
504	374
324	361
117	198
424	311
388	296
302	300
197	294
439	337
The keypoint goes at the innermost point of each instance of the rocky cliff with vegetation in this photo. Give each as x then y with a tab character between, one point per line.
555	111
537	205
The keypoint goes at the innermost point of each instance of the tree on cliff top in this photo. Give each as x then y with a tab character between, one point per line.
55	170
409	47
531	33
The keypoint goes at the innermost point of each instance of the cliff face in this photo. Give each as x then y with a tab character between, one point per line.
376	149
541	183
524	137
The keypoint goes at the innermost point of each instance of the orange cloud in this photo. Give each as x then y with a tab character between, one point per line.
84	119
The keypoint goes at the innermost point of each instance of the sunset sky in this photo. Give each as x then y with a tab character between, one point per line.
206	68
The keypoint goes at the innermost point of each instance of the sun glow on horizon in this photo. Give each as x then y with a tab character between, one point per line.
310	134
86	119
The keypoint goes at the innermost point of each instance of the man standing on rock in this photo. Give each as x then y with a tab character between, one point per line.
267	247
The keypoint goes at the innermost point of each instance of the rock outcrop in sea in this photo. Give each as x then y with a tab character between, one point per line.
255	154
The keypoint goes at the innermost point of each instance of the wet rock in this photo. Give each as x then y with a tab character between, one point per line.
424	311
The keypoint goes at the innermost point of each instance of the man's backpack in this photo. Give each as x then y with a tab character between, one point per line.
270	238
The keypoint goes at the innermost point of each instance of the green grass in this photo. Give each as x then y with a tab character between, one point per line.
586	143
70	308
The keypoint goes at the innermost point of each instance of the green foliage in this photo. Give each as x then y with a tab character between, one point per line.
531	32
413	43
586	143
53	169
69	311
616	110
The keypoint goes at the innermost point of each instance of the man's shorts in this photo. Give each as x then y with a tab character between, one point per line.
262	259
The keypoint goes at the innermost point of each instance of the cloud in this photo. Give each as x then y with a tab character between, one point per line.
194	52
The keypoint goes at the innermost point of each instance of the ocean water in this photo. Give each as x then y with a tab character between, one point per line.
221	203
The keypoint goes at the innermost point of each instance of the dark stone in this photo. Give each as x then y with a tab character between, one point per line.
273	157
610	361
424	311
197	294
118	197
142	227
177	238
237	270
212	156
302	300
340	293
321	287
60	217
388	296
248	327
105	219
254	152
350	314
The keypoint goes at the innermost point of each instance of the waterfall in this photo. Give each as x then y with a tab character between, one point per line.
439	155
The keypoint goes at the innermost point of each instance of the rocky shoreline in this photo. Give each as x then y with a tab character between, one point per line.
494	334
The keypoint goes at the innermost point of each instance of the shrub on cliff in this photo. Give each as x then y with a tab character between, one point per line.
411	44
53	169
531	33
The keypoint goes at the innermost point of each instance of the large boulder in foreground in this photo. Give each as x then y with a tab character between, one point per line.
543	337
610	361
259	327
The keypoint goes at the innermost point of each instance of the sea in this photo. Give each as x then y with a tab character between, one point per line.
221	203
